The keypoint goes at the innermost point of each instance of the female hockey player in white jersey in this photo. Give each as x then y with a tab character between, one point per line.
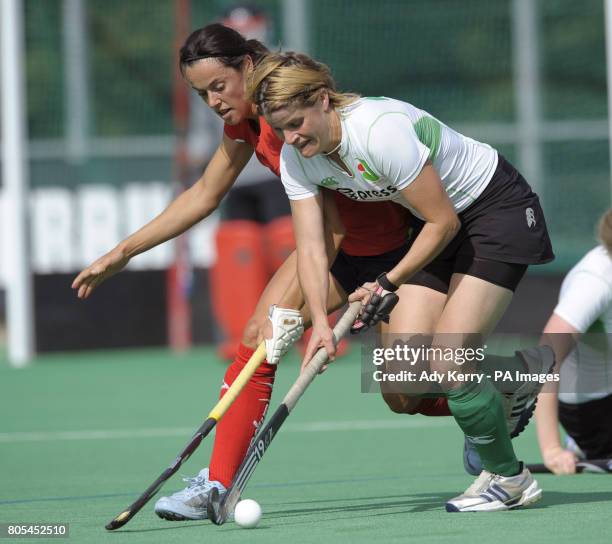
481	227
580	331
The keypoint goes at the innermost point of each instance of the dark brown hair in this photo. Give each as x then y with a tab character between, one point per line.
222	43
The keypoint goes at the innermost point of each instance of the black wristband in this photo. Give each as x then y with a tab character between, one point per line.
384	282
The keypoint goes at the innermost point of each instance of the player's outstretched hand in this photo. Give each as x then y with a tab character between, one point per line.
97	272
560	461
322	336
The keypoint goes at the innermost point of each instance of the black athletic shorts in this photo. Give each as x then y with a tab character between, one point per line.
501	233
259	202
353	271
590	425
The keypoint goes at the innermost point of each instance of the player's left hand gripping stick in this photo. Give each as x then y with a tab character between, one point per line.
213	417
219	508
379	306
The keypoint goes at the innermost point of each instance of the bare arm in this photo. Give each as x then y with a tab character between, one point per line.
197	202
427	195
190	207
313	270
334	234
312	263
561	337
293	297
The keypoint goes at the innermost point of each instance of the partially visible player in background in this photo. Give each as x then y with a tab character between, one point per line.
255	234
580	332
214	61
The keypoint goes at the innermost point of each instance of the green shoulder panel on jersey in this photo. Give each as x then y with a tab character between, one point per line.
429	132
597	327
376	98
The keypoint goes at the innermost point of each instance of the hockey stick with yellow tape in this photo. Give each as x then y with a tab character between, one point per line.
213	417
220	508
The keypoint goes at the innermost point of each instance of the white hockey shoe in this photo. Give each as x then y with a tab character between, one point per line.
189	503
493	493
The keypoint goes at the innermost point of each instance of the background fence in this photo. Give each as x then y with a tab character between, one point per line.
527	76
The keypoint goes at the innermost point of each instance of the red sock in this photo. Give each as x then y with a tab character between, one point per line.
434	406
239	424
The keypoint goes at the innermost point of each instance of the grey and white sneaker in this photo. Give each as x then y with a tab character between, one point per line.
189	503
520	405
493	493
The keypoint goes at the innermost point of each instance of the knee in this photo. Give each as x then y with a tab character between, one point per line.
402	404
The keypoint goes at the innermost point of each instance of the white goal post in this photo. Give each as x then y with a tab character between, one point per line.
20	321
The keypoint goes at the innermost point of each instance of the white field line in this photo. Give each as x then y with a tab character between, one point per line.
164	432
